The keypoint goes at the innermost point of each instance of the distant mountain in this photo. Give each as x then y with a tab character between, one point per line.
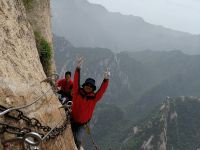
177	74
142	78
173	126
109	128
128	76
91	25
140	82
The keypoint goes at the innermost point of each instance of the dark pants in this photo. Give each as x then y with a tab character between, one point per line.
78	133
64	95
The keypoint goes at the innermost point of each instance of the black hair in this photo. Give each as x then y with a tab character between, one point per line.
90	81
68	73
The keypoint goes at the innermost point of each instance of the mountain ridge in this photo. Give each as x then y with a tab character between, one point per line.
174	125
137	75
91	25
139	83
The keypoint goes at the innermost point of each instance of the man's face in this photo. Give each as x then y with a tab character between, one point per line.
67	77
88	88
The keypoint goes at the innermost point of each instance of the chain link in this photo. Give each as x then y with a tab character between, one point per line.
18	115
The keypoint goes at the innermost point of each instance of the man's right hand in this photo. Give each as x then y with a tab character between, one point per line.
107	74
79	62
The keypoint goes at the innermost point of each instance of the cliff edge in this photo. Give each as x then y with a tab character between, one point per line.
21	71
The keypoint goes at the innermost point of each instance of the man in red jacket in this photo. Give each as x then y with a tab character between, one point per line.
65	87
84	101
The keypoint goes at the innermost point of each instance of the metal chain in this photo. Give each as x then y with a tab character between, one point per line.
25	133
19	132
18	115
56	131
31	122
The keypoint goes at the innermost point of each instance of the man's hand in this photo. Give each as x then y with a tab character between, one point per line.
59	88
48	79
107	74
79	62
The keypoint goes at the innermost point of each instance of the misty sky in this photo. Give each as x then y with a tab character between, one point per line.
183	15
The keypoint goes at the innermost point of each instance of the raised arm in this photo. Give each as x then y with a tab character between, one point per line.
76	84
102	89
104	85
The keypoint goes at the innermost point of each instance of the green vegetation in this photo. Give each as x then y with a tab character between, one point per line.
28	3
109	128
45	52
151	126
183	132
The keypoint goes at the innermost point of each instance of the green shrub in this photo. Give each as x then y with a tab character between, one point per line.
45	52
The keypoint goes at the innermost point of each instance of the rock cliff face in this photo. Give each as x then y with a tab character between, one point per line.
39	15
21	70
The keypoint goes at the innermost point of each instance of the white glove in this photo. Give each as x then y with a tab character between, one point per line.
79	62
107	74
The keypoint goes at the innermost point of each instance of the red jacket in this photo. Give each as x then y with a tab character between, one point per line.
66	87
84	104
